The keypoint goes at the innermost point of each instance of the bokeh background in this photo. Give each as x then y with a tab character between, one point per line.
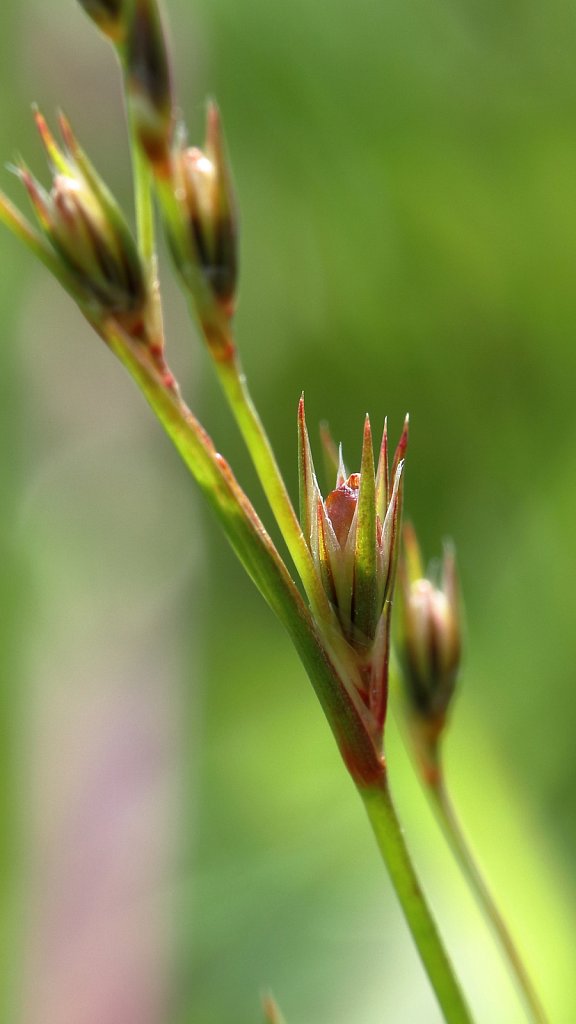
177	833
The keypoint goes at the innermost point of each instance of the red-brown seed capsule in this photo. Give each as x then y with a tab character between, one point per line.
341	505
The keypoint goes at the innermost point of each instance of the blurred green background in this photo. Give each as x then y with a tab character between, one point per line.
177	832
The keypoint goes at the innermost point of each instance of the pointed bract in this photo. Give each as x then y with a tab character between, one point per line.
309	492
331	454
382	477
366	611
401	447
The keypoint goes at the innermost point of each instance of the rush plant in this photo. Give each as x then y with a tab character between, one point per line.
344	546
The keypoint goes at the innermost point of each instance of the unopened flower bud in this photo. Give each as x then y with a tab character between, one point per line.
87	231
149	81
202	219
353	538
353	534
108	15
429	635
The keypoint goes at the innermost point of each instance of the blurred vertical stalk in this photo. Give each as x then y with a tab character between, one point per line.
452	829
13	575
429	640
390	840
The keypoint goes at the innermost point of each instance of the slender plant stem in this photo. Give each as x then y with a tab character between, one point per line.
452	830
142	178
235	387
382	815
145	227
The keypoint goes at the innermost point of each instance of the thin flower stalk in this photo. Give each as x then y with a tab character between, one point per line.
452	828
392	846
429	644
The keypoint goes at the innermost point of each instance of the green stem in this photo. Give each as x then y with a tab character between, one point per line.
145	227
142	196
378	803
235	387
453	832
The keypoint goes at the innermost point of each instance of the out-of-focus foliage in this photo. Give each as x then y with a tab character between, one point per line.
406	173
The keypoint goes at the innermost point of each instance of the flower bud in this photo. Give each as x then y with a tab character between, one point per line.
353	540
202	220
429	646
87	231
108	15
149	81
353	534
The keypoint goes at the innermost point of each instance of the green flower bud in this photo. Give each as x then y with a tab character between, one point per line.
429	634
87	231
200	209
353	534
